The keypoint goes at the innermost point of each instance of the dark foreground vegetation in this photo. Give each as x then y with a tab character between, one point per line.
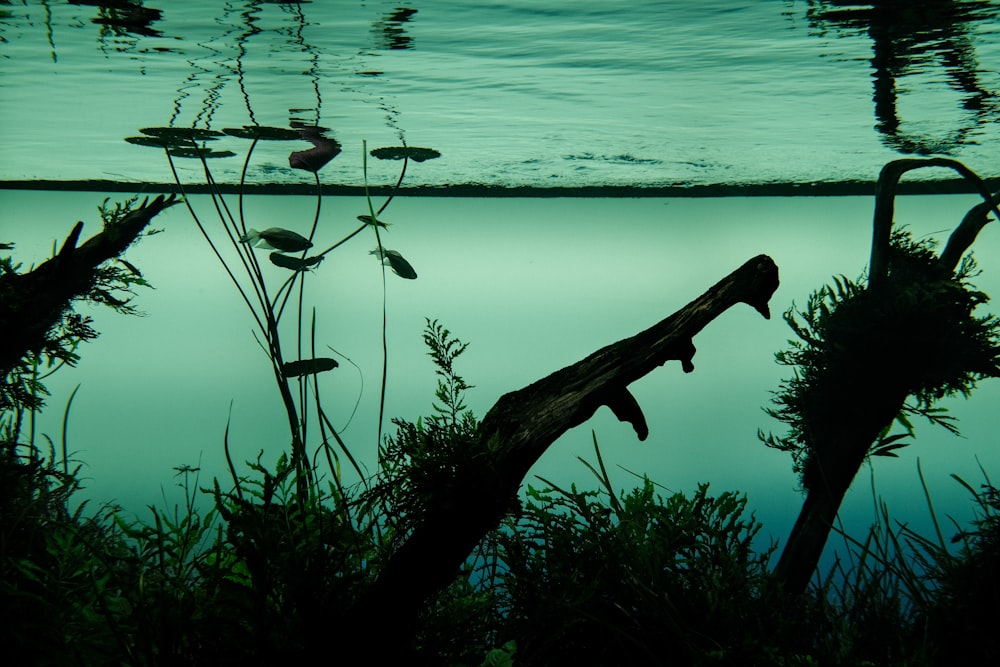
438	558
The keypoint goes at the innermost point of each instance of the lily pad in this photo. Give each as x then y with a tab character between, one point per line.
415	153
263	132
155	142
199	153
182	133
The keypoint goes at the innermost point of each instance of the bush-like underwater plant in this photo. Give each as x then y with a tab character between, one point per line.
912	333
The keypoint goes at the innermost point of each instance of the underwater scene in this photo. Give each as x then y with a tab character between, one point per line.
526	333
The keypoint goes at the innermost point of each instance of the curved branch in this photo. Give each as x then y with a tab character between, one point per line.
967	231
885	201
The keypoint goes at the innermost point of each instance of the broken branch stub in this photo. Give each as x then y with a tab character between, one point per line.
527	421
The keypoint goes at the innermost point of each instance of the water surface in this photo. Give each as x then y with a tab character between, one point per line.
552	94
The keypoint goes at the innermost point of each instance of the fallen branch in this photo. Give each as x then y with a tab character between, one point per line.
32	303
518	430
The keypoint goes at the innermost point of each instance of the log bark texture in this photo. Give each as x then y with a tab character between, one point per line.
522	425
32	303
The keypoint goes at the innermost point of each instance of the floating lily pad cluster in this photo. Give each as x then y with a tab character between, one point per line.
180	141
184	142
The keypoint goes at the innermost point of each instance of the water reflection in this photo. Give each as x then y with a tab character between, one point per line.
909	37
389	32
240	40
122	21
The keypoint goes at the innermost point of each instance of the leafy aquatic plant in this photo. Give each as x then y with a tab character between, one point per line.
602	577
912	334
423	455
268	308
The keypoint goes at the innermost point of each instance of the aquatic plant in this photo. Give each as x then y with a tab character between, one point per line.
606	577
912	334
268	308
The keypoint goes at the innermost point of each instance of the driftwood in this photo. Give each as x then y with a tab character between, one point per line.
518	430
871	389
32	303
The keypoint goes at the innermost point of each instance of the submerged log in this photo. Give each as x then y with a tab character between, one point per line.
519	429
32	303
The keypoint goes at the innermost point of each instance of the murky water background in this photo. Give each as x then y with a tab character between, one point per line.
532	285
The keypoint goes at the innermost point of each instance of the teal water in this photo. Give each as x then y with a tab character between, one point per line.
513	94
533	285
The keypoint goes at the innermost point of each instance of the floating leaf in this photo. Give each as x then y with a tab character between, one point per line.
208	154
263	132
415	153
155	142
294	263
308	366
181	133
178	146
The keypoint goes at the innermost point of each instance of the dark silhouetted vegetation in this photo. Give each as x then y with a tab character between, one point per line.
289	562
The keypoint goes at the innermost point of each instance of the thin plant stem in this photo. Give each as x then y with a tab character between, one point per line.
381	254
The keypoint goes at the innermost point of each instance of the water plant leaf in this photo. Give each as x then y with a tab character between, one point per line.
294	263
198	153
308	366
179	134
155	142
396	262
887	446
415	153
263	132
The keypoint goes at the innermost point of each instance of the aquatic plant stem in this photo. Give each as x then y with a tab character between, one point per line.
265	320
381	254
65	430
211	244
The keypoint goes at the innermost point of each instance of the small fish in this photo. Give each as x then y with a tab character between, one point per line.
367	219
394	260
276	238
294	263
308	366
